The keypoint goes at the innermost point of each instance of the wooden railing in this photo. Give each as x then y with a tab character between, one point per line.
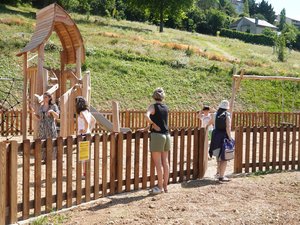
11	121
267	148
118	163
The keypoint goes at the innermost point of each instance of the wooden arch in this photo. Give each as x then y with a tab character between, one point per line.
55	18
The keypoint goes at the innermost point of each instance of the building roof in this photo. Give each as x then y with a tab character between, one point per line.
55	18
261	23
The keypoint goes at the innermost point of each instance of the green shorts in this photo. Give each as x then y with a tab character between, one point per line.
160	142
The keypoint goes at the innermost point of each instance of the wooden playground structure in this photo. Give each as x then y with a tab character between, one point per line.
120	160
65	83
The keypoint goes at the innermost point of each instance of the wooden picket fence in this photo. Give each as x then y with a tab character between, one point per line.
11	121
118	163
267	148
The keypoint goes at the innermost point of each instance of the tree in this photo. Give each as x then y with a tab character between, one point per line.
267	11
208	4
162	8
246	8
252	7
290	33
281	48
282	21
227	7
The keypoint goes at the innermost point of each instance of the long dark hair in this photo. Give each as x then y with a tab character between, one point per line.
81	104
50	98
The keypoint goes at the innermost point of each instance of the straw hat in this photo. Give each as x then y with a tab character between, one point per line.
224	104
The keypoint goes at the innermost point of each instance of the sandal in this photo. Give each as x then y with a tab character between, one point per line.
156	190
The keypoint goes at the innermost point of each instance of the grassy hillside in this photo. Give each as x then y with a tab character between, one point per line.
128	60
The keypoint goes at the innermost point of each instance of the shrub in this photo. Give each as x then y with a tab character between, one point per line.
249	38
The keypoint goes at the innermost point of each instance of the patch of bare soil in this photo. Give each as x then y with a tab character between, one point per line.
264	199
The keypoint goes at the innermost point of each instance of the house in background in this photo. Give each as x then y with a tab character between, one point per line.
290	21
250	25
239	6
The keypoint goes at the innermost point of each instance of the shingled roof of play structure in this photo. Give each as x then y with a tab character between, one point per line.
55	18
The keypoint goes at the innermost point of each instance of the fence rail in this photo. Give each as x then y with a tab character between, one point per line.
11	121
266	148
118	163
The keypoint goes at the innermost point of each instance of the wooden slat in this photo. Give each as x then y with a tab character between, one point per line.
175	156
128	160
104	164
195	154
137	160
247	153
268	147
274	150
281	147
26	172
294	141
145	160
299	148
49	153
88	173
120	162
3	180
59	173
37	177
287	147
96	165
188	156
254	148
69	170
181	155
13	183
113	159
261	148
78	174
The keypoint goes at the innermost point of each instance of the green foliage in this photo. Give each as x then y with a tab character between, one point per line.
247	37
259	173
281	48
266	9
282	21
290	33
246	8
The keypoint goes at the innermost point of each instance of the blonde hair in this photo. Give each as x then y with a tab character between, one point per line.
158	94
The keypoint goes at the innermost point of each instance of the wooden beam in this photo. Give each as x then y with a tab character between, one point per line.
116	119
24	114
78	62
254	77
235	87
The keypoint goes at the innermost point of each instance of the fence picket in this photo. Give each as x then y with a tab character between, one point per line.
78	173
120	163
181	155
87	172
37	177
281	147
287	148
247	154
137	160
69	170
254	149
49	155
188	155
268	146
175	153
59	173
3	182
145	160
104	164
128	161
96	165
112	167
294	141
274	153
261	148
26	172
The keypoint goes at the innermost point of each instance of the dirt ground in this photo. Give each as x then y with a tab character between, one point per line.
264	199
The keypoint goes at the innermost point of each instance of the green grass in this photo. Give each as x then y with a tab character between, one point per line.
128	60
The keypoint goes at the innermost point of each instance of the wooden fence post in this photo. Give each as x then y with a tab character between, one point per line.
3	180
238	153
13	184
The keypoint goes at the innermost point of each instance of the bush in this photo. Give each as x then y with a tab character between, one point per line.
249	38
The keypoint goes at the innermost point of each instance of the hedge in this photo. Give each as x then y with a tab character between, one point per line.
247	37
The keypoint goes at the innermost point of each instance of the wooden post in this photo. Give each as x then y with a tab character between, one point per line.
86	87
3	180
235	87
78	63
24	113
116	119
13	185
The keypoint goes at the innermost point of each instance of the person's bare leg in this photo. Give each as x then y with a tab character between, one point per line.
156	156
223	165
165	164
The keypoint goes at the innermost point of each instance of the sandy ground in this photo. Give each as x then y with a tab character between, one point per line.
246	199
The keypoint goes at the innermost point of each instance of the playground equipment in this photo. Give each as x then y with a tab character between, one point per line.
236	82
66	83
